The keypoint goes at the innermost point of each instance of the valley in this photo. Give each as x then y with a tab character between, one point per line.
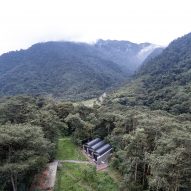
50	104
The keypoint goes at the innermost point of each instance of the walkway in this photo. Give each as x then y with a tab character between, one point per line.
76	161
46	179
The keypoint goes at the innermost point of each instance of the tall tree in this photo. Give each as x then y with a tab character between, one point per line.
23	149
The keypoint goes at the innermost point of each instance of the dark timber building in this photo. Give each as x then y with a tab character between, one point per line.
98	150
95	147
90	144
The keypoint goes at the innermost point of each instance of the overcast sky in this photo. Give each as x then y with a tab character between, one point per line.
25	22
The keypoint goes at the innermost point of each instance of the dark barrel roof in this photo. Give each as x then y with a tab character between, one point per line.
97	145
103	149
93	142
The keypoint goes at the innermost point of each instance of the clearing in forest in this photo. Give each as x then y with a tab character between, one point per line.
66	150
78	176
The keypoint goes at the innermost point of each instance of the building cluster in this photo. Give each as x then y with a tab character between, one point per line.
98	150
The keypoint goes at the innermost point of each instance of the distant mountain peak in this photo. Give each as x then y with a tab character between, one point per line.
117	43
127	54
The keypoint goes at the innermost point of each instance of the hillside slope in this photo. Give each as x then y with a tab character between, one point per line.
126	54
150	123
163	82
66	69
62	69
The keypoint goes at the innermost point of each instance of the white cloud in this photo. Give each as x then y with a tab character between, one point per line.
24	22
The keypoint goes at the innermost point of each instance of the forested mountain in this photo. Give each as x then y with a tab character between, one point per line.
163	82
147	121
61	69
156	52
167	78
150	118
69	70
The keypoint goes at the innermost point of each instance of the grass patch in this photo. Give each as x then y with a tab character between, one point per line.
114	174
88	103
68	151
79	177
82	177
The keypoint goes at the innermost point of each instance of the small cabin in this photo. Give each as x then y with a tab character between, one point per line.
90	144
98	150
95	147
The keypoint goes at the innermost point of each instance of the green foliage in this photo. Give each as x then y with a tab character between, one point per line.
67	70
67	150
50	124
104	125
98	181
17	109
136	137
163	82
169	78
147	121
171	161
152	147
83	177
23	150
89	175
62	109
72	176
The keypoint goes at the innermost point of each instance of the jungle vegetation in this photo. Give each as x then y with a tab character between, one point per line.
147	121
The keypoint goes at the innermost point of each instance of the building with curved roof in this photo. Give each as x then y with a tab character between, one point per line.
99	150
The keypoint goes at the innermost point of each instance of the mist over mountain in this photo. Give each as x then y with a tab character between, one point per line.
151	121
95	95
70	70
163	82
126	54
156	52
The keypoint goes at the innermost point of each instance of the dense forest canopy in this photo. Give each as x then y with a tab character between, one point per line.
163	82
138	135
152	141
147	121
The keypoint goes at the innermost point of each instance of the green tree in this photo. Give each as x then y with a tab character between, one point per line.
20	109
23	149
171	162
78	128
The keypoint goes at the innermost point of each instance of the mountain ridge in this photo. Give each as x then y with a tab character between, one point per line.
125	53
67	70
163	82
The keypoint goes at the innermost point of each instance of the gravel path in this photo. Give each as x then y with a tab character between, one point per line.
75	161
52	174
46	179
